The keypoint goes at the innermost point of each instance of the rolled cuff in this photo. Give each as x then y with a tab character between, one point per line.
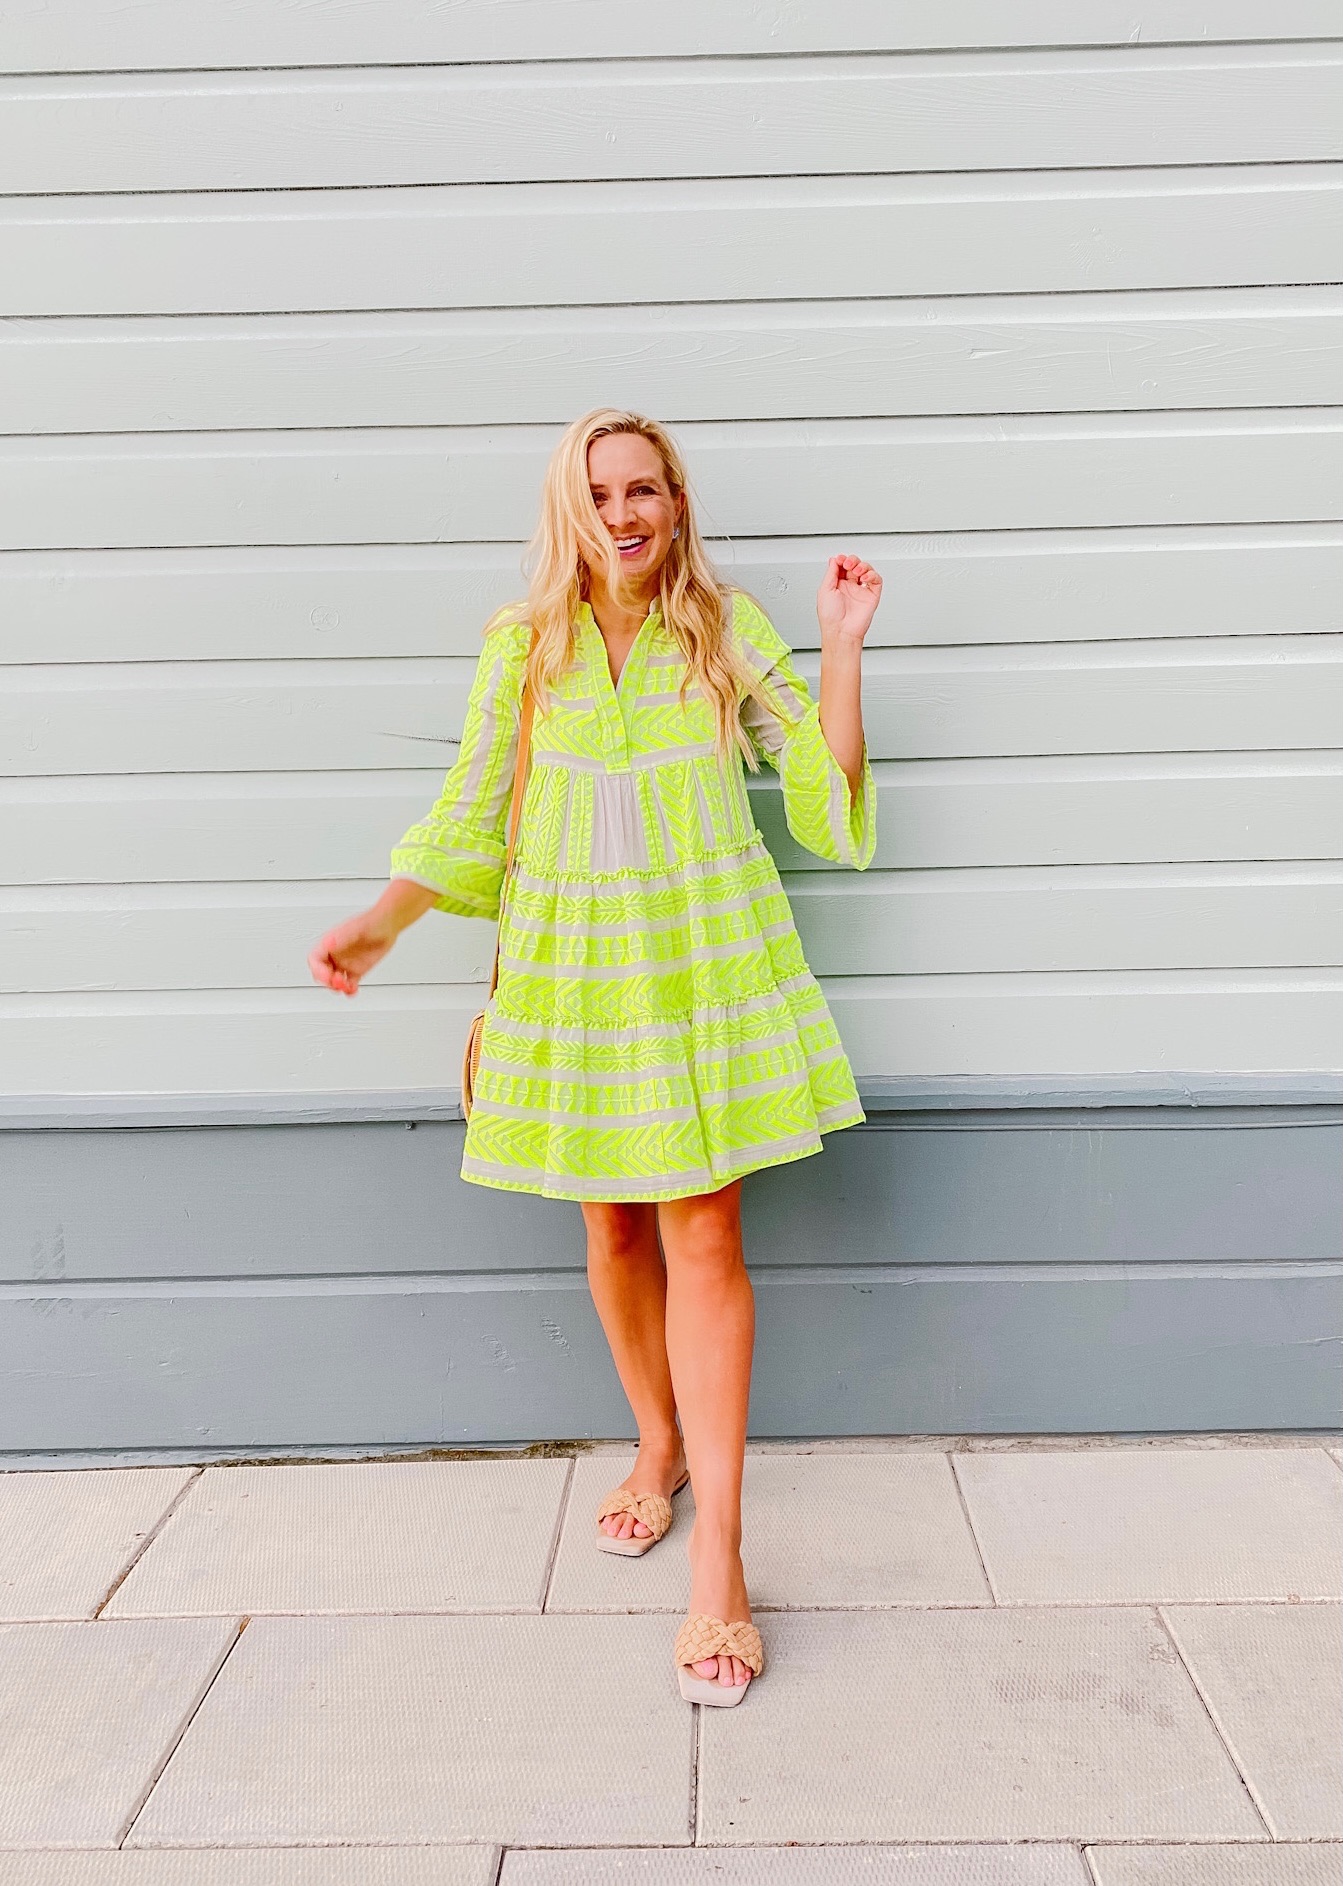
822	814
466	876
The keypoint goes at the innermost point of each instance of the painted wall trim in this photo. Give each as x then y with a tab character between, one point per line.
897	1094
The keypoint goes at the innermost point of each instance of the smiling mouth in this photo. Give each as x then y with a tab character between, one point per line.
630	546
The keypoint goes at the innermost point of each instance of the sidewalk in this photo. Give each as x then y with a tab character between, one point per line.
1007	1664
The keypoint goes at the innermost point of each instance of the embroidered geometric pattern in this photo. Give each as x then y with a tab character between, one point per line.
656	1031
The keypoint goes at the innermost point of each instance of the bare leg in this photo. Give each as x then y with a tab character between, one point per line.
629	1288
710	1322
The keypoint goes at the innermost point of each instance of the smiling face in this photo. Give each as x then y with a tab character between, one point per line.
636	504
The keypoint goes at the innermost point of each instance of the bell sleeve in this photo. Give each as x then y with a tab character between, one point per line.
821	812
458	848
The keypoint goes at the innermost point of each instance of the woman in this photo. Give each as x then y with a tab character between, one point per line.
656	1032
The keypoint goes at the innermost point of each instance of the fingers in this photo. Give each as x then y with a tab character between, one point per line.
329	973
321	966
850	569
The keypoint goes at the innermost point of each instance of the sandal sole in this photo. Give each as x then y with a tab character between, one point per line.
703	1689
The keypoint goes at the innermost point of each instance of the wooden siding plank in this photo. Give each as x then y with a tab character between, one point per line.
66	36
1225	348
308	1041
467	246
889	923
988	586
932	815
986	110
781	478
221	1202
1193	696
321	1367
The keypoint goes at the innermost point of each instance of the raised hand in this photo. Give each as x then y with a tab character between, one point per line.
847	599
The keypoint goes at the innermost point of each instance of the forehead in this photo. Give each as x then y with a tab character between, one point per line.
623	456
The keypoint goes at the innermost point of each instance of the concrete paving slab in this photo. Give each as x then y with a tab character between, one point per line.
1142	1526
291	1866
459	1535
818	1530
1272	1677
796	1866
88	1712
65	1537
985	1725
1217	1866
361	1730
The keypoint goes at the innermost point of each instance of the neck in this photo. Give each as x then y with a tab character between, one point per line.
621	614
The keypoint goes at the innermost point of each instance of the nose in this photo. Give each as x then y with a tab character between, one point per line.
620	515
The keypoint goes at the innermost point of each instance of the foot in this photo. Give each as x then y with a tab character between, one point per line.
657	1468
718	1588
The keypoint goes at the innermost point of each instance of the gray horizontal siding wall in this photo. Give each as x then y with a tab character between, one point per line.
1042	310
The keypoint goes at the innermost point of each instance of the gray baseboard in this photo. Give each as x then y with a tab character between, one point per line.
978	1258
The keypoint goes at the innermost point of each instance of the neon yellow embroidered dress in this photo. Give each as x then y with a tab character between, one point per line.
655	1031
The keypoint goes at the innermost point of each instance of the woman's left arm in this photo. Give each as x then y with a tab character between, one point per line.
845	605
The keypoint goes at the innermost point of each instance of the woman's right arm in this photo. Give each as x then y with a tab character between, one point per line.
346	954
453	858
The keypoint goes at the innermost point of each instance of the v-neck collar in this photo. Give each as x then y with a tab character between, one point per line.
599	652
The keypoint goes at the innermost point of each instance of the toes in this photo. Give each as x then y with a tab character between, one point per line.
707	1667
641	1531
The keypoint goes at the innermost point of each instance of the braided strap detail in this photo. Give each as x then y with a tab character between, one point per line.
651	1508
702	1636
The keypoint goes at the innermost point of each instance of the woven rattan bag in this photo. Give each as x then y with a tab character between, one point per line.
471	1052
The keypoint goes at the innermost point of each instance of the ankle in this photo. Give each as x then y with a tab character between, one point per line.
662	1445
715	1538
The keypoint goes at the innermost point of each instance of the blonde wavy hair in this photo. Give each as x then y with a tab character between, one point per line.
570	538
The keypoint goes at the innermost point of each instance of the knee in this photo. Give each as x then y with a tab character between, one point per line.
619	1233
708	1255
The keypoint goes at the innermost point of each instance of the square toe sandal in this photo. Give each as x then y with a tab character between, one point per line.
651	1508
702	1636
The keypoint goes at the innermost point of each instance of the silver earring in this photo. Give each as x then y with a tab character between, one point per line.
677	532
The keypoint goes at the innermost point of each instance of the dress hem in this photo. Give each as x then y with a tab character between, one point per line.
695	1189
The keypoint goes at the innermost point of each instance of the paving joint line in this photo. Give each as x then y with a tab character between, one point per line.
901	1606
177	1740
950	1459
145	1544
1087	1867
696	1752
1188	1668
557	1532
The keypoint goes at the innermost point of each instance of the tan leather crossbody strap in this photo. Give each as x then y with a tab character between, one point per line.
515	810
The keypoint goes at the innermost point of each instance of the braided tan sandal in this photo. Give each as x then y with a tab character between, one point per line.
651	1508
701	1637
